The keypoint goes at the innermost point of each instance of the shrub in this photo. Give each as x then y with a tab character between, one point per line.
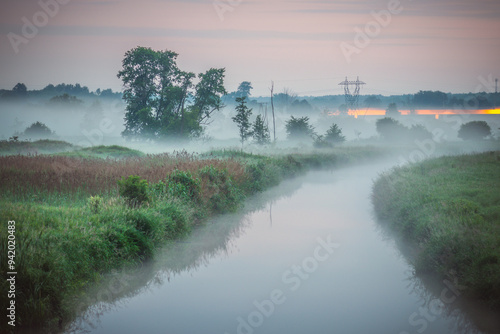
38	130
390	129
334	134
299	128
183	185
475	130
176	219
221	194
134	189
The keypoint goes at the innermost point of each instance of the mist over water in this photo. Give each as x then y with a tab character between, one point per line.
308	256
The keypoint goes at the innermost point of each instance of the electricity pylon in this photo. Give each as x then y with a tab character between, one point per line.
351	99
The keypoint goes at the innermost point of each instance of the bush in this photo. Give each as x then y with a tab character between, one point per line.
475	130
134	189
38	130
176	219
222	195
299	128
183	185
392	130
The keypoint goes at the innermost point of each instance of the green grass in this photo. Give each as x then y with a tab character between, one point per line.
450	208
73	227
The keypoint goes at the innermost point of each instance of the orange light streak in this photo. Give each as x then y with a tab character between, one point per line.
436	112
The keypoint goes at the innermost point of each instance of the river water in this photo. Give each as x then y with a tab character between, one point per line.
305	257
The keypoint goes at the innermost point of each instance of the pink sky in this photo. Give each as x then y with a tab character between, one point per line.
447	45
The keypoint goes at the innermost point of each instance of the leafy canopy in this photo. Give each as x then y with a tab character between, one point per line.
162	100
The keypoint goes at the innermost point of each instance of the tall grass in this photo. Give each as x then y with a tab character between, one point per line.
450	207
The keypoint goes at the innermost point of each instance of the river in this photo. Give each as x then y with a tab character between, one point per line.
305	257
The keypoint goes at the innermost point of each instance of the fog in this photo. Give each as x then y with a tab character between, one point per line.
100	121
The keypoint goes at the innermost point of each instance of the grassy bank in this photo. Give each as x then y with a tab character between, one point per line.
73	226
449	208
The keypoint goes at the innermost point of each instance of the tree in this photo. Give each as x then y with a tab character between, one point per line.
38	130
260	131
430	99
207	97
20	90
242	119
390	129
65	100
334	135
299	128
475	130
157	93
300	106
372	101
244	89
392	110
285	99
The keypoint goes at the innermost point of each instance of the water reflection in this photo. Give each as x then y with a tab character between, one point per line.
213	239
439	296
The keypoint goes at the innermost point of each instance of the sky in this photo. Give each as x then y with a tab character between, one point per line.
308	47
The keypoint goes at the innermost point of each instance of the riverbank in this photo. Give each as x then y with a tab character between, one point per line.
449	207
72	224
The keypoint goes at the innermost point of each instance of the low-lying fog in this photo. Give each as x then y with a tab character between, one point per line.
100	121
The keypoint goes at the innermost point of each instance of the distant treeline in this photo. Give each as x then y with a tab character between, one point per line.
286	100
20	92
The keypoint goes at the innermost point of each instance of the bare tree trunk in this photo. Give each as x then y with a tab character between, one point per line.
272	107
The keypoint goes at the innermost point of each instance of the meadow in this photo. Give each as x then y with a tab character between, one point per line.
449	209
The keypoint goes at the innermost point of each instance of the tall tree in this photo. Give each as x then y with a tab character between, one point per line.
242	119
244	89
157	93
